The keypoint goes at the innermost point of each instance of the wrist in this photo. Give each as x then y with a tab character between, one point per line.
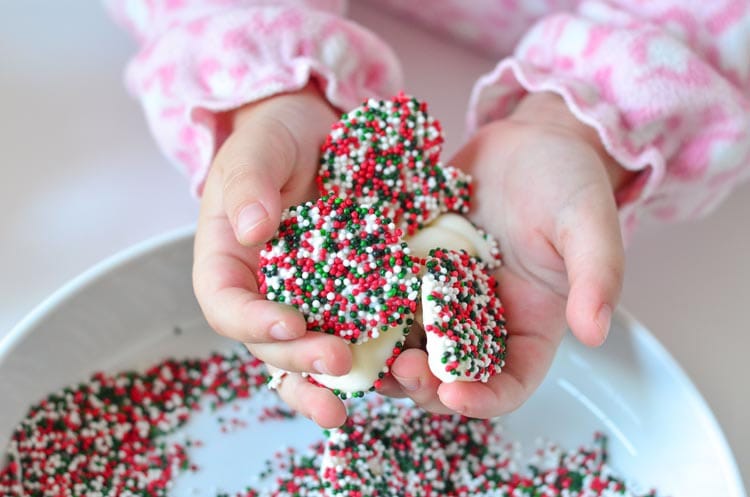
310	96
550	110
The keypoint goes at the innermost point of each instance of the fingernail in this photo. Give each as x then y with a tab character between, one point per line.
320	366
603	320
250	217
409	384
279	331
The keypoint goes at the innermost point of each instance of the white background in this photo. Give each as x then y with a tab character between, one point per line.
82	179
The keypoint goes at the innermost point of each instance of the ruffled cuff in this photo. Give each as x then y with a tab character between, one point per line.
656	107
204	66
497	93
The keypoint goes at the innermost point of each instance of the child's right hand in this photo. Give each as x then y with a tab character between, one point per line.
267	163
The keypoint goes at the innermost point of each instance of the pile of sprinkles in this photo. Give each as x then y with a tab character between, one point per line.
105	437
408	449
344	266
386	153
463	318
392	450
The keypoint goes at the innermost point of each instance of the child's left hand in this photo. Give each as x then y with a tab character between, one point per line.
544	188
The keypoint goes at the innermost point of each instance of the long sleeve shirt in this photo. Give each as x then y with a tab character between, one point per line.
665	83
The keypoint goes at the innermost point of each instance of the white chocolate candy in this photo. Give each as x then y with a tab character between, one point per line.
451	232
432	237
436	345
455	232
368	361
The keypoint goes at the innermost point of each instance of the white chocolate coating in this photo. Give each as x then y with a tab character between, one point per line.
433	236
368	361
454	232
436	345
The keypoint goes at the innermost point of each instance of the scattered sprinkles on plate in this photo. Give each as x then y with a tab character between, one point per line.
344	266
394	449
106	438
387	449
103	437
463	318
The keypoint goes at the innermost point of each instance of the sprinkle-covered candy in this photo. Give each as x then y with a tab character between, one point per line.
344	266
371	361
344	262
463	318
385	153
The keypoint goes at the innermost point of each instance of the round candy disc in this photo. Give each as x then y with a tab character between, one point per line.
344	267
385	153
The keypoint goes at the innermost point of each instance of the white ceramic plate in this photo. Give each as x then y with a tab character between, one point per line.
123	313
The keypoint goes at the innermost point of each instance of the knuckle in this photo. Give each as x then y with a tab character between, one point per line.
617	270
283	134
281	141
215	324
237	177
251	347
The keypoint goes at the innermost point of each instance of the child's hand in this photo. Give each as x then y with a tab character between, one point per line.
544	188
267	163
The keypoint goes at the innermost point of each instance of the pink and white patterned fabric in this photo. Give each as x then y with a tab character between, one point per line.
666	83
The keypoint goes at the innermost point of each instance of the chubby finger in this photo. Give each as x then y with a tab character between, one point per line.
255	162
390	387
225	283
247	317
313	353
412	372
269	160
314	402
590	242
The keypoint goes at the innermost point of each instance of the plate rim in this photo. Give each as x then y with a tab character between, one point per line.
179	235
95	272
680	376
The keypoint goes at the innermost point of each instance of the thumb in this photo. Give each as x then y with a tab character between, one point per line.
255	162
588	234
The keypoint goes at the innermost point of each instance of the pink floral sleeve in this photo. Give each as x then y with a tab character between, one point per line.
666	83
199	58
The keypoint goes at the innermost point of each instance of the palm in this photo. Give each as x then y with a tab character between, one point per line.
517	203
270	158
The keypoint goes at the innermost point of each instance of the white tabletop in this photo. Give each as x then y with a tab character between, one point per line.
83	180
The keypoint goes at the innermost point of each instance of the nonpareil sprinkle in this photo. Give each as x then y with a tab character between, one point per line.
105	437
463	318
387	449
386	153
344	266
